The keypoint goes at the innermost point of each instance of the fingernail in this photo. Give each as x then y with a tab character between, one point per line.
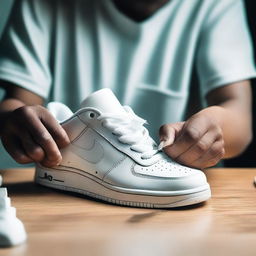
58	162
165	143
162	144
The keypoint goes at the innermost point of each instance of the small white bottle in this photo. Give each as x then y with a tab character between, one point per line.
12	231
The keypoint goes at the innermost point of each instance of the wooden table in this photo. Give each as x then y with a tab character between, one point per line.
64	224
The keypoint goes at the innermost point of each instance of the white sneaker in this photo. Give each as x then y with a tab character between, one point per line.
112	157
12	231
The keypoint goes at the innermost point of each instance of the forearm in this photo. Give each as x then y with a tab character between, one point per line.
231	106
6	107
221	130
15	97
236	126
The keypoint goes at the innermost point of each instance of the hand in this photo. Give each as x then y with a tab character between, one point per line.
198	142
32	134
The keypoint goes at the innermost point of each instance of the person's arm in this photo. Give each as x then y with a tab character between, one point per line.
222	130
28	131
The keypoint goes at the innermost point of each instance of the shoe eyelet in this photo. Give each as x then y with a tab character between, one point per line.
91	115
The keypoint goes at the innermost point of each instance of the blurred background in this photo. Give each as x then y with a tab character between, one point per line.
248	158
5	7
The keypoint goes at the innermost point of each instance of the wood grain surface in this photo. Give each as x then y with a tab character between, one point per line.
63	224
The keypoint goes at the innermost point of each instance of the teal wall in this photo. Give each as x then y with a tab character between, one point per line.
5	8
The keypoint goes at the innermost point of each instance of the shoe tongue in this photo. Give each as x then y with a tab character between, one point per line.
103	100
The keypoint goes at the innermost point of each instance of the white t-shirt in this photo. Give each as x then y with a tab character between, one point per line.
63	50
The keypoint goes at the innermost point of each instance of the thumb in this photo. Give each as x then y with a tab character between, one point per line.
168	133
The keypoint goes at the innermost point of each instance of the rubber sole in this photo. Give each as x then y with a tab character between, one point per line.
74	181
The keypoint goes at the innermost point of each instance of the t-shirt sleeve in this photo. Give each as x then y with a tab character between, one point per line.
225	53
24	48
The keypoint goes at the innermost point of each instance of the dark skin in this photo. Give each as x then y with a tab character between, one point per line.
224	129
30	133
139	10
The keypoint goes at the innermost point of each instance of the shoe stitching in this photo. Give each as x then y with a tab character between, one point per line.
114	166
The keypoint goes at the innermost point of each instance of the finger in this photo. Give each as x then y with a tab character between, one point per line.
51	150
49	163
167	133
55	129
199	149
13	146
191	133
42	137
212	156
32	149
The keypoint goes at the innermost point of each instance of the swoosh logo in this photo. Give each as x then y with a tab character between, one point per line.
92	151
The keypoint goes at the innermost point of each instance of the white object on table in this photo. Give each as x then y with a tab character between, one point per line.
12	231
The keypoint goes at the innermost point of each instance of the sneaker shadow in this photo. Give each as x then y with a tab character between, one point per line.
26	188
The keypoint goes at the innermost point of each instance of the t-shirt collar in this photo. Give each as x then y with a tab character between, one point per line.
131	25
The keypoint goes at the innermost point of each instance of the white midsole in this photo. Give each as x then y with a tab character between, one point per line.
77	182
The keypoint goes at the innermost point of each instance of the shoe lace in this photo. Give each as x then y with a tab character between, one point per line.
129	128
